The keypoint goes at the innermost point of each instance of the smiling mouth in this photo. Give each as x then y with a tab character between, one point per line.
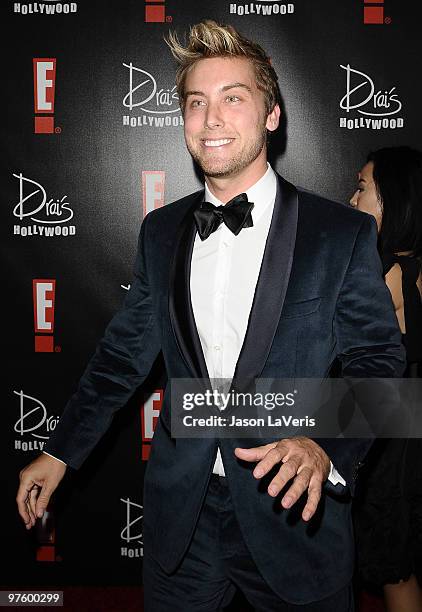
217	143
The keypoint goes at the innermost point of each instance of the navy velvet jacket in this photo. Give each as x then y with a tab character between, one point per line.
320	295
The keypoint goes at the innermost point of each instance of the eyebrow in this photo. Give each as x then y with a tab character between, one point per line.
361	180
225	88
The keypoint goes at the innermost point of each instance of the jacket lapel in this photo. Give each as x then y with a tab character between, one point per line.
271	287
180	303
269	294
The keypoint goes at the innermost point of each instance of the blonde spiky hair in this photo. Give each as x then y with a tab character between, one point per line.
211	39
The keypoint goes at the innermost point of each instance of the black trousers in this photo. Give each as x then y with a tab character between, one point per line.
216	563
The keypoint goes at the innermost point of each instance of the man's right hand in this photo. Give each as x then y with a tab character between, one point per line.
38	481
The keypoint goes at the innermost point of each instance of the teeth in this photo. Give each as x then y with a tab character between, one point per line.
217	143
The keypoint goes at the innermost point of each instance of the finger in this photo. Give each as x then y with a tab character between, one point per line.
32	498
286	472
43	499
275	455
31	516
253	454
314	495
21	499
299	486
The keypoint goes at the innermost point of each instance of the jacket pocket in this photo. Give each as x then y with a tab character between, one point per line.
292	310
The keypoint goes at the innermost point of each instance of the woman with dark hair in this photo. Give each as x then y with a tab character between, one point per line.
388	509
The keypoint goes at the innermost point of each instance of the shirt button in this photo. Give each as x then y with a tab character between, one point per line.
217	347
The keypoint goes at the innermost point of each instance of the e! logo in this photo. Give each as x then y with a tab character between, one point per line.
152	189
150	411
44	297
44	90
373	14
156	12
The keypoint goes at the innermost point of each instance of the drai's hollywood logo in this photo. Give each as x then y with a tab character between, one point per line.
150	411
40	215
33	426
155	12
154	106
262	7
377	108
48	7
44	296
44	93
131	533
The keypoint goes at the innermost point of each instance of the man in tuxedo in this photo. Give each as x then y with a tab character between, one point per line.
249	277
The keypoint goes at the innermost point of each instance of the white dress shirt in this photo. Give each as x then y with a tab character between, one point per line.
224	274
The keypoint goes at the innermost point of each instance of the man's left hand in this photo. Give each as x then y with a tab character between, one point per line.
302	459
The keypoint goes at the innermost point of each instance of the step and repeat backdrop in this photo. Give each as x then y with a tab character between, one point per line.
93	139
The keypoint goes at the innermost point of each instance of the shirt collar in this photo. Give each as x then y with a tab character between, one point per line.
262	194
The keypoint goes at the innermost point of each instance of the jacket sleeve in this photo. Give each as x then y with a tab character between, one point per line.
122	361
368	340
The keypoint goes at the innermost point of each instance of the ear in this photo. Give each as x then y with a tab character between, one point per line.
273	119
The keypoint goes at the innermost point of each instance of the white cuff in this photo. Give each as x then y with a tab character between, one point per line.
45	453
334	477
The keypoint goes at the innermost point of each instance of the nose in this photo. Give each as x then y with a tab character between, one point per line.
213	118
354	199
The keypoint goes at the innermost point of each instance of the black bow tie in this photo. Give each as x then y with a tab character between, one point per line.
236	214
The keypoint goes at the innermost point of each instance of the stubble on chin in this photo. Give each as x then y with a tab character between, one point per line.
219	169
228	167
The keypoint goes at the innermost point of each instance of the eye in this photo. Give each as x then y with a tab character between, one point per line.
233	98
196	103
